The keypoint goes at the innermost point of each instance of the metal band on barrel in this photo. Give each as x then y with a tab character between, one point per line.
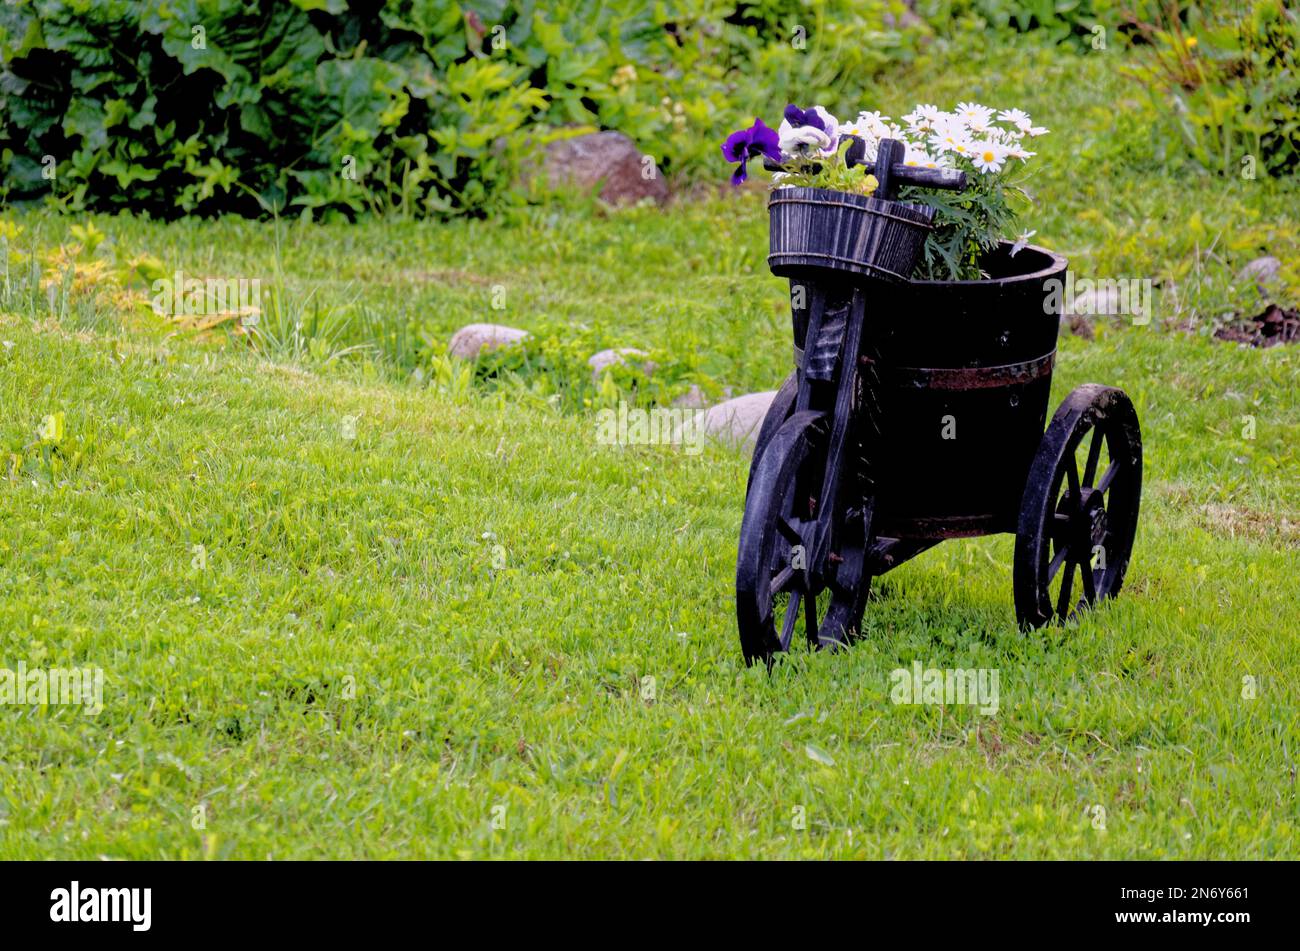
968	378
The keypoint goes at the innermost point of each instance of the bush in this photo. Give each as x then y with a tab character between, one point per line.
415	106
1060	21
1227	79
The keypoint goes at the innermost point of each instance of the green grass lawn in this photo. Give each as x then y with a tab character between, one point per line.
359	671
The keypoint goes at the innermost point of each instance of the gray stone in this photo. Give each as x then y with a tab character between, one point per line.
1103	301
736	421
1261	270
608	161
604	359
474	339
691	399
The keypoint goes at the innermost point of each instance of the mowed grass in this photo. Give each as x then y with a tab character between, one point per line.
358	670
363	568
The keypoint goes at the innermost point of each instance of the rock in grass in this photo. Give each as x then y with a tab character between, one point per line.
691	399
604	359
1104	301
1262	271
736	422
608	161
474	339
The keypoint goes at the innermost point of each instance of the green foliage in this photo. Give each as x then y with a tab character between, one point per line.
411	106
830	171
1058	21
220	105
967	224
1226	78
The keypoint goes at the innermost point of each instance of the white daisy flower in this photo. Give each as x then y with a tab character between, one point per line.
1017	151
922	118
1035	131
917	157
988	156
949	137
860	131
857	128
970	112
1017	117
875	123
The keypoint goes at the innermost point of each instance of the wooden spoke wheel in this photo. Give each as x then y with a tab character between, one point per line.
777	413
781	598
1079	512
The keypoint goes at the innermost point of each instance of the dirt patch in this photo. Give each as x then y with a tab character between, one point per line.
1272	327
1236	521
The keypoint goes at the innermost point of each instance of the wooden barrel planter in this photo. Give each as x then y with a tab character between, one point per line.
965	375
839	232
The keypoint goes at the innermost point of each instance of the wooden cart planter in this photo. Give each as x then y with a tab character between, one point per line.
917	409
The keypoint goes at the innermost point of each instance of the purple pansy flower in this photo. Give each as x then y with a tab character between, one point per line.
745	144
797	117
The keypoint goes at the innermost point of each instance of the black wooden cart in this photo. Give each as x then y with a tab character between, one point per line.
915	414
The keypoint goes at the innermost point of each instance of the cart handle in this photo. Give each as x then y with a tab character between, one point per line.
890	171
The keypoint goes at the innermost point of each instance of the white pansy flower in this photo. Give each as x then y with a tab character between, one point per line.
826	117
798	140
805	139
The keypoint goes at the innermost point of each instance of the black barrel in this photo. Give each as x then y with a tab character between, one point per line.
965	374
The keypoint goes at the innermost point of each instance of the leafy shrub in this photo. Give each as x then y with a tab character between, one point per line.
1227	78
1059	21
413	106
220	105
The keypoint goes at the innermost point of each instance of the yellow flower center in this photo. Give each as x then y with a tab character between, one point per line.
988	156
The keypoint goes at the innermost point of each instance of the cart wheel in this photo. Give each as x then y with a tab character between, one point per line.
779	595
1079	524
780	410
